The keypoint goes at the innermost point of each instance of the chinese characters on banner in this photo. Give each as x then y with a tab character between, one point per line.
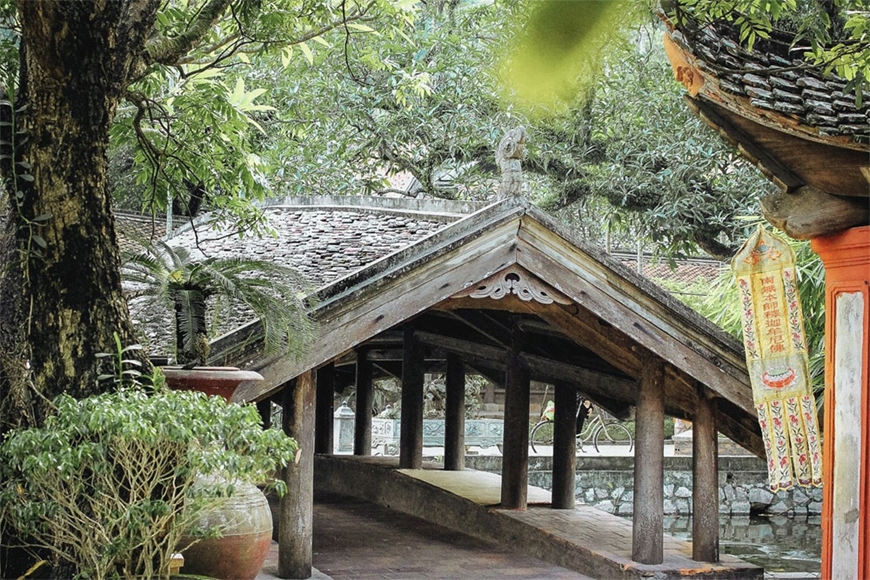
776	357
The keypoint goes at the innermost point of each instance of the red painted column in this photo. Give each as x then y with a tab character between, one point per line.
846	463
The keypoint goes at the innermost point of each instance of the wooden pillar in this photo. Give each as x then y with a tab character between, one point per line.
454	416
413	374
564	446
515	454
846	452
324	438
647	546
264	408
362	429
705	476
295	524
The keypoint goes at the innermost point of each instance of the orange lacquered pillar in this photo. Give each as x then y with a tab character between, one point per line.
846	507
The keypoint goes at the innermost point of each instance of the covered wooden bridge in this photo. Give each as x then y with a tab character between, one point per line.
508	293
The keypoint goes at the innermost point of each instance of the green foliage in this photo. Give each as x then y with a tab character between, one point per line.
176	277
624	151
108	483
197	120
559	50
124	370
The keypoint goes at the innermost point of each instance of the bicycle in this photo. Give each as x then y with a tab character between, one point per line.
595	428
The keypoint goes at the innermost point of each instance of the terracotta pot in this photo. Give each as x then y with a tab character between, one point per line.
220	381
245	522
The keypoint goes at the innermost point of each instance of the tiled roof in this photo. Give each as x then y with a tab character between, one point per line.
323	243
131	226
686	271
777	82
325	239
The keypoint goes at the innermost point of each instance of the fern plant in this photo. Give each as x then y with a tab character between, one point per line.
189	284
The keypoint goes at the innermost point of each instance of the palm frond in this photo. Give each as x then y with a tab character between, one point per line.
174	276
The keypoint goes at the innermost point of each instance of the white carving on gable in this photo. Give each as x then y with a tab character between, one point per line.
516	281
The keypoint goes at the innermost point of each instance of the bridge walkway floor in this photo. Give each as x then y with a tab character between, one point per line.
584	539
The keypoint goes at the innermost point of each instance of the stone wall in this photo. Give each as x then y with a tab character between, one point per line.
607	483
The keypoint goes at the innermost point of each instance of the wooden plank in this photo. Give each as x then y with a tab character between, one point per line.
515	448
323	423
647	545
705	480
586	329
564	446
372	311
362	428
635	293
296	512
658	335
454	414
411	437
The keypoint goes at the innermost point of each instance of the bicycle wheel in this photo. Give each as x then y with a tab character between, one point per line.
542	434
610	433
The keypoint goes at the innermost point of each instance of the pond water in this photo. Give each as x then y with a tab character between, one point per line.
777	543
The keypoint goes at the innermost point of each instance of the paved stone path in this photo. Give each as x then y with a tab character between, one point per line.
359	540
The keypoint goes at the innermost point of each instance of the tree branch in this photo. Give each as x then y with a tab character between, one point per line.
169	50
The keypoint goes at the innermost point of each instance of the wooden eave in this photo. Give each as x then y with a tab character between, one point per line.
617	317
795	122
789	158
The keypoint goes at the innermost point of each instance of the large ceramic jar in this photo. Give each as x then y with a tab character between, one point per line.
245	522
220	381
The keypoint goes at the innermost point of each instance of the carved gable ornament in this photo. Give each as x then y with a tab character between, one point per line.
514	280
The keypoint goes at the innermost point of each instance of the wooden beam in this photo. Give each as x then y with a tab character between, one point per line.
515	449
296	513
358	313
484	324
643	315
454	415
411	437
769	166
811	213
324	437
564	446
705	480
647	546
586	329
264	408
362	431
539	367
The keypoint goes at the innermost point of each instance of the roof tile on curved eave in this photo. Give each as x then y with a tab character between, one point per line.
781	88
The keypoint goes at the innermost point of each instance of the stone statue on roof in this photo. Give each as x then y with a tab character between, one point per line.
509	157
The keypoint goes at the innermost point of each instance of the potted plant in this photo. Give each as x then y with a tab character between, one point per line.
190	284
112	483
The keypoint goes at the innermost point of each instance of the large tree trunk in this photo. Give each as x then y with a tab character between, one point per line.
60	298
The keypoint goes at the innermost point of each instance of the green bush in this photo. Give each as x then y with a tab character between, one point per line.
106	485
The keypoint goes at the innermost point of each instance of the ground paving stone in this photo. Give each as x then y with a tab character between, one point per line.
357	539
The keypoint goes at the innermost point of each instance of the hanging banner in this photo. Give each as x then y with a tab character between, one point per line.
776	356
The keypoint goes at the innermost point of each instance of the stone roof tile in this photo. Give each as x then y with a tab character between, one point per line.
325	243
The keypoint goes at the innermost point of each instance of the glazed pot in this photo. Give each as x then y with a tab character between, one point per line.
245	523
220	381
